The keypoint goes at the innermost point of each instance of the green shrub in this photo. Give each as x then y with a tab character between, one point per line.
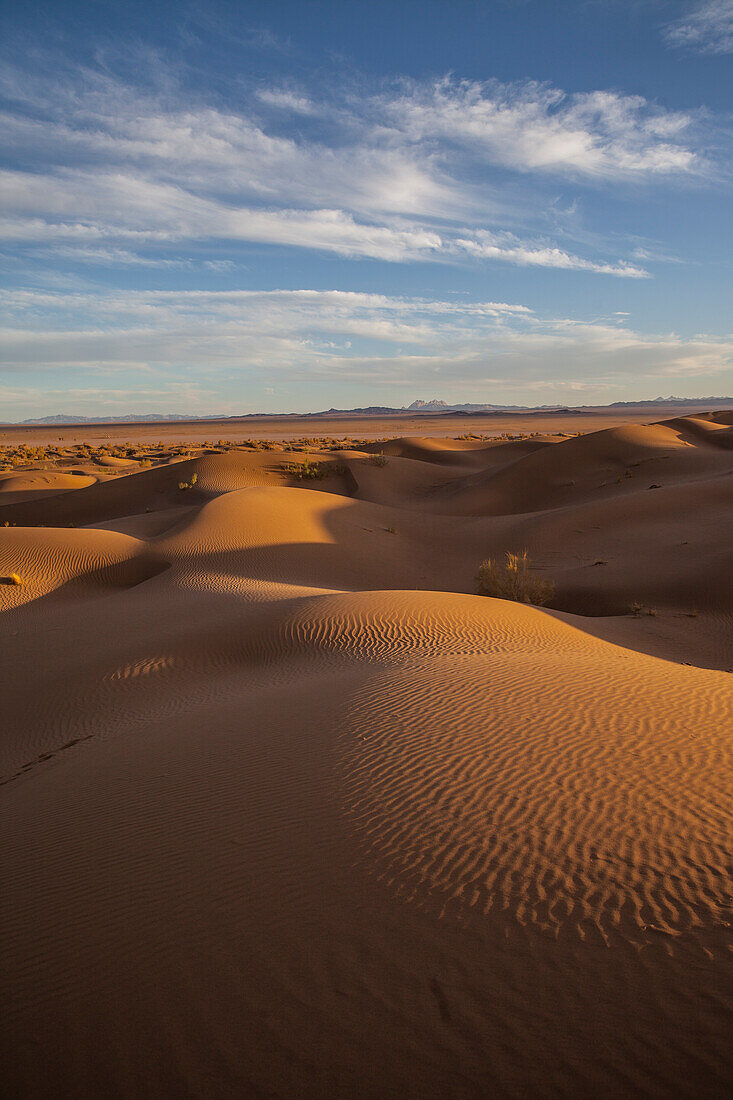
304	471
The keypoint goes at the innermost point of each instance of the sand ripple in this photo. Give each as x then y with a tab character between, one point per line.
585	797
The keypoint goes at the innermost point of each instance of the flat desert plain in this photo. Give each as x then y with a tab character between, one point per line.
288	809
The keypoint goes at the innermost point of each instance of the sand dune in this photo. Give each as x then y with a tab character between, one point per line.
113	462
589	468
56	559
15	488
288	810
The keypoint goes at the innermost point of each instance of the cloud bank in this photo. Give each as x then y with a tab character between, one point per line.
219	345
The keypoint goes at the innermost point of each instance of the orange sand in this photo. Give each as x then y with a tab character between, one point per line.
287	810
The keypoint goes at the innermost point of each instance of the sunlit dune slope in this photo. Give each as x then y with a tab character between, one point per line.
334	770
15	488
289	810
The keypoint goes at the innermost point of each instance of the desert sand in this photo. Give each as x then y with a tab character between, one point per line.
289	810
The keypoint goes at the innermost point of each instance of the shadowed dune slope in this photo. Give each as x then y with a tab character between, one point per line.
287	810
156	489
127	495
589	467
670	547
403	482
457	452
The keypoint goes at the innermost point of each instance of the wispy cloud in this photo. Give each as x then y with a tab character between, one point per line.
708	28
126	208
510	250
389	176
240	342
287	101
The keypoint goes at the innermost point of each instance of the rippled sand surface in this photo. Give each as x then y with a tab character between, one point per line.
288	810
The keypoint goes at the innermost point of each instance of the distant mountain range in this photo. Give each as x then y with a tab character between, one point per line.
131	418
370	410
671	400
418	407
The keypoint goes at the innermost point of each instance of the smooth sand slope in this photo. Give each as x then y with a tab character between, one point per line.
287	810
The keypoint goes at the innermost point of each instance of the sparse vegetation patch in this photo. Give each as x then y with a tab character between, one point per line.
513	579
304	471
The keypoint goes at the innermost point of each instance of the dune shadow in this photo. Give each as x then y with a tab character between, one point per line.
115	577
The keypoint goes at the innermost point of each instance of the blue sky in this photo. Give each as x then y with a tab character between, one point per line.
282	206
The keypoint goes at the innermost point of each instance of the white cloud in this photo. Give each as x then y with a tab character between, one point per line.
708	28
287	101
337	338
600	135
126	208
399	176
330	231
488	245
110	257
218	151
129	209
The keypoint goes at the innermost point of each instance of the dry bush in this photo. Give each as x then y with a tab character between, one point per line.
379	459
513	580
304	471
188	484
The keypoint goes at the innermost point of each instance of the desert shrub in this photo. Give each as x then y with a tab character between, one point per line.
188	484
513	580
304	471
379	459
